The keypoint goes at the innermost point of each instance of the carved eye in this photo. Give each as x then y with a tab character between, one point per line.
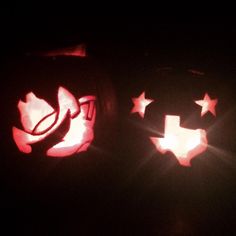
207	104
140	103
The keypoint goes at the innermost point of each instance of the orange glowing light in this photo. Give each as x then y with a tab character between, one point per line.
207	104
182	142
140	104
75	51
39	120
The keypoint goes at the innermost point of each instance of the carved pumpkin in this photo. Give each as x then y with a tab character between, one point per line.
64	103
178	109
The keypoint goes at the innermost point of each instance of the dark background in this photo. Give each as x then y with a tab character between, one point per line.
123	192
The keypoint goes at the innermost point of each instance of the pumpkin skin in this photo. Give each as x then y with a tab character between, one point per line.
175	104
64	93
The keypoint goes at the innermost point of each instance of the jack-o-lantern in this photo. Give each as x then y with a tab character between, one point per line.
40	120
179	109
64	102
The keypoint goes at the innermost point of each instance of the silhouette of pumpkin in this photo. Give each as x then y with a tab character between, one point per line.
65	102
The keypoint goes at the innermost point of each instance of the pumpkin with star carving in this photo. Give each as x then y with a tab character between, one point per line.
179	109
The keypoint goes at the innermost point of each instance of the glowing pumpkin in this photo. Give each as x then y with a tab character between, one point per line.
39	120
180	108
64	103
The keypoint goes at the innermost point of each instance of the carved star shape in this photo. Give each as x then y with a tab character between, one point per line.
207	104
140	104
